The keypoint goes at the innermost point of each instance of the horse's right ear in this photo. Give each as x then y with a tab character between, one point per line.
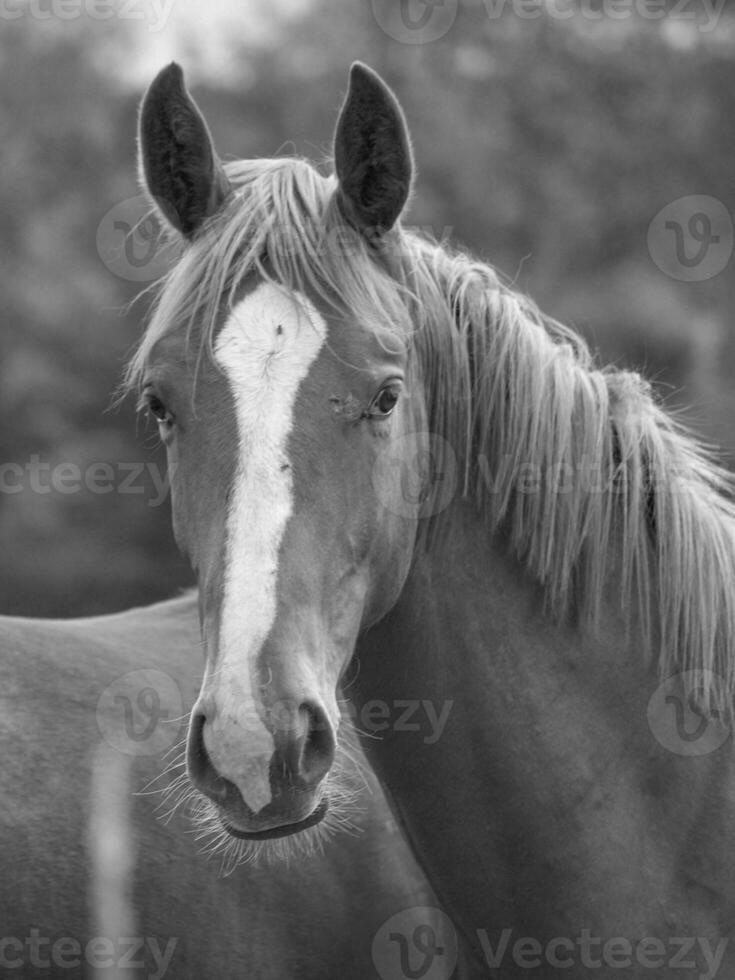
179	168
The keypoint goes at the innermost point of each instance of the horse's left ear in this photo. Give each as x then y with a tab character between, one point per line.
372	153
179	167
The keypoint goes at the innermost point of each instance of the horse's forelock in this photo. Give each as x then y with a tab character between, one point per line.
282	222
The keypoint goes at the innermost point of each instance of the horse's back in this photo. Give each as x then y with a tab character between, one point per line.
74	829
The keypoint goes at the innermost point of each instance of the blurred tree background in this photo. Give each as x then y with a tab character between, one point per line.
546	145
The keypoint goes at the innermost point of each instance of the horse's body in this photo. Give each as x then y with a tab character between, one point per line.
69	803
548	810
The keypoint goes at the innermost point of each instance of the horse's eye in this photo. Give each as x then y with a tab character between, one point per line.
385	401
158	410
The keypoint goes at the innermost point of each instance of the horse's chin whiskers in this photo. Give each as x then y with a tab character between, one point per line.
177	720
181	794
178	762
177	793
350	764
151	788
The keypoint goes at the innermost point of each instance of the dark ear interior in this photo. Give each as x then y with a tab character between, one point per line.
372	153
178	164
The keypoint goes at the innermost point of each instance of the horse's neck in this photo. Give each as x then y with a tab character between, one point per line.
546	778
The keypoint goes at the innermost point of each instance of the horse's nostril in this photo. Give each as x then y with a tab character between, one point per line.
201	770
317	754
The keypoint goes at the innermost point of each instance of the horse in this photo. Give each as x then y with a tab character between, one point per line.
97	883
397	478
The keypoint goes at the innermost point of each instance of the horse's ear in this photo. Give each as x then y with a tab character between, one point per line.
179	168
372	153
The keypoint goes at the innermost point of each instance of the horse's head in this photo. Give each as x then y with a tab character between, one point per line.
278	365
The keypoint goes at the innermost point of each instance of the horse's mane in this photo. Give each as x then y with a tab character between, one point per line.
580	465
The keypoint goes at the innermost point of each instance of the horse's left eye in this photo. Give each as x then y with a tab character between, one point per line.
159	411
385	401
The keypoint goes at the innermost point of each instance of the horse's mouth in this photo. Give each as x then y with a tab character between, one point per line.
285	830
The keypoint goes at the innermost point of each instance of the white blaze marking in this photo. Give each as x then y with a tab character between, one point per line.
266	348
